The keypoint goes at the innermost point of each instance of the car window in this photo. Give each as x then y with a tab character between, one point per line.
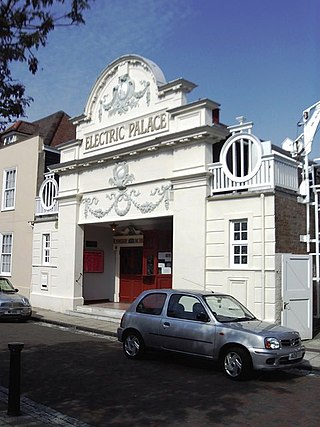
227	309
152	304
5	285
184	307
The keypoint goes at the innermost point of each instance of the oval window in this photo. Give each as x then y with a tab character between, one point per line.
48	193
241	157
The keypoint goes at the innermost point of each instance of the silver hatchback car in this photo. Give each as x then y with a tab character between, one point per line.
211	325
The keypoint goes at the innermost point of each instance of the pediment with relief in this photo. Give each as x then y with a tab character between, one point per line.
126	88
124	96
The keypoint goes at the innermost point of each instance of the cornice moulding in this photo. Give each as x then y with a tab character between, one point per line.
201	103
215	133
177	85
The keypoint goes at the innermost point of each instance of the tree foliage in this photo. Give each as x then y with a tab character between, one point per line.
24	28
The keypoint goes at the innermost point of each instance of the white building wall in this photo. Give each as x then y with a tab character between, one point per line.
190	189
44	276
254	285
71	238
64	275
189	235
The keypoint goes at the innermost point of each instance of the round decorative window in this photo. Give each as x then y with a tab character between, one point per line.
48	193
241	157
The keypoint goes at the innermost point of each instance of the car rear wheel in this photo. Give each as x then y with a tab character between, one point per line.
237	363
133	345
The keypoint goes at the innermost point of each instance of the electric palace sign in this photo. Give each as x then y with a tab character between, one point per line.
127	131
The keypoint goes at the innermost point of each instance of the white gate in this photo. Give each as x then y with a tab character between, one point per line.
297	294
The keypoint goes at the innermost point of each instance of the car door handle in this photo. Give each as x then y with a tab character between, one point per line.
166	324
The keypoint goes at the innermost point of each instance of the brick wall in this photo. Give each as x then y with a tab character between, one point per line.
290	223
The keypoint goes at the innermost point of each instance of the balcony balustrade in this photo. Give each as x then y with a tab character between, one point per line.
40	209
275	171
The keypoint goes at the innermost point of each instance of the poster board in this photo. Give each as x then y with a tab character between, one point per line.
93	262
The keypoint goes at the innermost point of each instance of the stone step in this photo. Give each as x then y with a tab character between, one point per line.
100	313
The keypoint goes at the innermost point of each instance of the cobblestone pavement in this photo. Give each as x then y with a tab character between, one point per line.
33	414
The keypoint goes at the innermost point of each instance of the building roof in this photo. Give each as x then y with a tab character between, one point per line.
54	129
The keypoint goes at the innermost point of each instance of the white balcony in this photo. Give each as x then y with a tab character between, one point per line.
46	203
275	171
41	210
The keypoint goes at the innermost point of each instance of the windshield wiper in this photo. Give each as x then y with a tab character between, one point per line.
244	319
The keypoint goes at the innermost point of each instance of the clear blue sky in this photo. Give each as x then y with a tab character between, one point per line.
257	58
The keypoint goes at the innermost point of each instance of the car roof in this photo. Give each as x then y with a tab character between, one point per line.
184	291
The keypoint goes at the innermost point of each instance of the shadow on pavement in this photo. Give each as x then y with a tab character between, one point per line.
91	380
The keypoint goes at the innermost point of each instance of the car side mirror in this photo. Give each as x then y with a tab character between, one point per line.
16	290
203	317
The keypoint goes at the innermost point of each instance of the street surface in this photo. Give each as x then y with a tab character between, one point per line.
87	377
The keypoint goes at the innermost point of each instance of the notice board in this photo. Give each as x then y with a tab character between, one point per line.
93	262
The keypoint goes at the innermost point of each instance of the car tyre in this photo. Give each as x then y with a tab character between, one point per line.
237	363
133	345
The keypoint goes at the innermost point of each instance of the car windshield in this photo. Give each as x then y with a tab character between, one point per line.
225	308
5	286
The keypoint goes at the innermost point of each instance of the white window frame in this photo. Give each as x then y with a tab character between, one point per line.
46	248
9	187
243	166
5	254
239	244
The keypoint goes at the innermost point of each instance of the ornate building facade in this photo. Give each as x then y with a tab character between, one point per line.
156	192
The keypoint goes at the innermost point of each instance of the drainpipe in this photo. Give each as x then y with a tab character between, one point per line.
262	256
316	256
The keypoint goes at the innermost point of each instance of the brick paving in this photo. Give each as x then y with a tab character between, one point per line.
36	415
33	414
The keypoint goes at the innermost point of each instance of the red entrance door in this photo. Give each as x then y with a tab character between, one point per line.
139	267
130	273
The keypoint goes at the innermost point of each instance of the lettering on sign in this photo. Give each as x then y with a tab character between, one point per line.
130	130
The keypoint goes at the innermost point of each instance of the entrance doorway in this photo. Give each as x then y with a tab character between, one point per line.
130	273
146	267
130	261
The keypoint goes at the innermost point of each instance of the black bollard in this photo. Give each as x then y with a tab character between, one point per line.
14	378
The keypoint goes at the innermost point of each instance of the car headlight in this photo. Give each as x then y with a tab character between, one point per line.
25	301
271	343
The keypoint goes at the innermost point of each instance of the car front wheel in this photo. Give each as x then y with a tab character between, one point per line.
237	364
133	345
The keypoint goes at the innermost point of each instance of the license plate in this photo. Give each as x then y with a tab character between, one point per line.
12	312
295	355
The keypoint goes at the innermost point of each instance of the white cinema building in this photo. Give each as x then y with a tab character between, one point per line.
155	192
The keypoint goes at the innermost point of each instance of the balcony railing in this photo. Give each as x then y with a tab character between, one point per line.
275	171
40	209
46	203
